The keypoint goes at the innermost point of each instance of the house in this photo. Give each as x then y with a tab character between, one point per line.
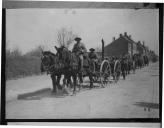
121	46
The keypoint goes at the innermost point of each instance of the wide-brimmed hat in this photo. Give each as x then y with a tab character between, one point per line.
77	39
91	49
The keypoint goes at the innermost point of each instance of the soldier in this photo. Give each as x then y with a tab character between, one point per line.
92	54
79	49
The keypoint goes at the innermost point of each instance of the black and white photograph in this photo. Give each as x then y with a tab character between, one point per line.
82	63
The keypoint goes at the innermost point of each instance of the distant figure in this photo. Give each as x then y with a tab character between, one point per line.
79	49
123	67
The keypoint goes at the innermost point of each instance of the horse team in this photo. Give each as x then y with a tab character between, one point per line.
130	63
67	63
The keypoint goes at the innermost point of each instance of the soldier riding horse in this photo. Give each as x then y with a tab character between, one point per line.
74	63
73	66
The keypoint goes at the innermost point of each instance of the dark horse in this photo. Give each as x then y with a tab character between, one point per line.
124	67
72	66
51	64
146	60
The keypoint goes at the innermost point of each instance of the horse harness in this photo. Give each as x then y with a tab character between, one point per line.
52	68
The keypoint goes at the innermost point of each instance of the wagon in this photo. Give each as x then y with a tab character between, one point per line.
104	70
101	72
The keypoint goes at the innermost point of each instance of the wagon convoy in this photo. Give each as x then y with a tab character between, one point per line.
103	71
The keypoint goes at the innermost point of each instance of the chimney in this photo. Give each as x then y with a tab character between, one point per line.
114	39
120	35
130	36
125	33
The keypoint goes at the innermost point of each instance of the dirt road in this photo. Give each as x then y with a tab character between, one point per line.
135	97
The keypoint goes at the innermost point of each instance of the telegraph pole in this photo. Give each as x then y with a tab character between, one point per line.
102	49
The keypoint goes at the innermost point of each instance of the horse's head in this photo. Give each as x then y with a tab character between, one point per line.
62	52
46	60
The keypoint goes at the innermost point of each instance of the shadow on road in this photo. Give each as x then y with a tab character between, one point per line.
147	105
47	92
39	94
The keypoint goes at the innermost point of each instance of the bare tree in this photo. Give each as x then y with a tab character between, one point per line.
35	52
16	52
65	37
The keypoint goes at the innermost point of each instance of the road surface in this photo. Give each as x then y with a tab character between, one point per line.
135	97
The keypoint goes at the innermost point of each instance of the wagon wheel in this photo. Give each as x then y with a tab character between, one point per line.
105	72
117	70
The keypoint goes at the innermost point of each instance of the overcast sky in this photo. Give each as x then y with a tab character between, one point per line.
28	28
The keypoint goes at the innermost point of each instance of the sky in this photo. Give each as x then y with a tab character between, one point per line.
28	28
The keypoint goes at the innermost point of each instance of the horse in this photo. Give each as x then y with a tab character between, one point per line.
129	63
141	61
72	66
123	67
51	64
146	60
133	63
138	64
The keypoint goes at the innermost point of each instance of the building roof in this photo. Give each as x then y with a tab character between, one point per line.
125	37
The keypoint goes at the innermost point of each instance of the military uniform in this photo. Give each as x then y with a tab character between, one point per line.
93	55
79	49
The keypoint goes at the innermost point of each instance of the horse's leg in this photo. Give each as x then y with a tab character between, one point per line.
74	83
66	77
70	83
81	77
133	66
64	89
54	83
58	82
126	69
65	85
91	79
129	68
79	81
123	73
64	81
